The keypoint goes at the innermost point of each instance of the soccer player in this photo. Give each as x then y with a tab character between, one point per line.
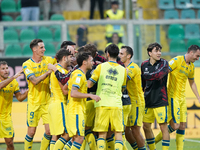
111	79
154	82
181	68
37	75
6	95
77	95
8	80
57	106
135	117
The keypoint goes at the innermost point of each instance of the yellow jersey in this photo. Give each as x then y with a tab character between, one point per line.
38	94
111	79
178	76
7	98
56	91
134	85
78	80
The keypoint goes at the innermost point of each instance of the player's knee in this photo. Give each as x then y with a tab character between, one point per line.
175	126
31	133
80	139
182	126
47	132
146	128
9	143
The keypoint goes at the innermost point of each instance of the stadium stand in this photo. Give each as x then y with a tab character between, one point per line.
10	36
188	14
182	4
27	35
192	31
18	18
13	50
177	46
8	6
176	31
50	49
55	17
166	4
171	14
45	34
196	4
7	18
193	42
26	50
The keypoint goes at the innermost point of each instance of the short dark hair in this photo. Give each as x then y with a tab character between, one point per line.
66	43
152	46
129	50
35	43
61	53
112	50
81	57
3	63
114	3
91	48
193	48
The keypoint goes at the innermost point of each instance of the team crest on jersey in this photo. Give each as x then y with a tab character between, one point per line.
27	71
113	72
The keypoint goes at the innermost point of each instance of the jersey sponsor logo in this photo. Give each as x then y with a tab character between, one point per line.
8	129
171	62
113	72
78	80
79	75
146	70
181	71
111	78
34	67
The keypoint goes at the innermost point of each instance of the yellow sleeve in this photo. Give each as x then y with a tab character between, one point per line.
131	72
95	75
125	77
77	80
27	70
173	63
191	74
16	90
54	60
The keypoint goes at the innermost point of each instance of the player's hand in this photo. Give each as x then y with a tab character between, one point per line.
95	97
18	74
71	50
98	62
52	67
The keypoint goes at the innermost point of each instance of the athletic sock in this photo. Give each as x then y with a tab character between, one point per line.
142	148
119	145
110	143
60	143
52	144
180	139
68	145
28	142
76	146
124	141
159	136
45	141
134	146
101	144
165	144
151	143
90	139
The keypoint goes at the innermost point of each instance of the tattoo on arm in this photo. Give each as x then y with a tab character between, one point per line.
34	80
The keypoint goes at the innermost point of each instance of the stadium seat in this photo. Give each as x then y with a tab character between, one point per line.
26	51
7	18
18	18
183	4
171	14
193	42
8	6
198	14
50	49
13	50
192	31
177	46
187	14
10	36
196	3
45	34
56	17
57	35
166	4
27	35
18	5
176	31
